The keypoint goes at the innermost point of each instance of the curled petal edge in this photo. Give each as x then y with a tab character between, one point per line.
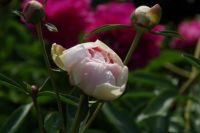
108	92
56	52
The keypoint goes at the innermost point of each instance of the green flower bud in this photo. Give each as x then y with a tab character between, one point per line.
33	12
146	17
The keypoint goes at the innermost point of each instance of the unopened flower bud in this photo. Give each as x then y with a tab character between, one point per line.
93	67
34	90
33	12
146	17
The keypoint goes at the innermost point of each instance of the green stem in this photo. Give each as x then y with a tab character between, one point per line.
177	70
39	115
78	115
138	35
187	116
194	74
92	117
40	36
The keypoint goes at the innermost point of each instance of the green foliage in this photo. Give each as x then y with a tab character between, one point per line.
5	81
107	28
166	56
120	121
159	106
151	79
168	34
65	98
53	122
192	60
16	119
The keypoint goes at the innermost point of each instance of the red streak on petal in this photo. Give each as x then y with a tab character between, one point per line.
111	61
110	58
91	51
107	56
97	49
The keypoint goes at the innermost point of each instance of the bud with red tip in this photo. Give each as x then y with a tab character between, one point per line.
34	90
33	12
146	17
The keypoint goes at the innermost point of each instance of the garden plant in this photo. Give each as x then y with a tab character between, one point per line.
91	66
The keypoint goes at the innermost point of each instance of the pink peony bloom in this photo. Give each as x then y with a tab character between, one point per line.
190	31
70	17
121	39
95	68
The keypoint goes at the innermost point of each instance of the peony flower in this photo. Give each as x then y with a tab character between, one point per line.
121	39
190	31
95	68
111	13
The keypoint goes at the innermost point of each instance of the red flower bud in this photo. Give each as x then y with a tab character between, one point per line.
33	12
34	90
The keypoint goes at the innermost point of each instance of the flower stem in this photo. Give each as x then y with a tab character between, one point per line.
187	116
92	117
193	75
78	115
39	115
138	35
40	36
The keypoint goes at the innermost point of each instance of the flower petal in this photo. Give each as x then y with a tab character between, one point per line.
122	79
56	51
108	92
73	55
88	74
114	55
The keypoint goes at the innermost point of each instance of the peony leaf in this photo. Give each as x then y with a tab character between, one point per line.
150	78
166	56
158	106
6	81
119	120
7	84
18	13
107	28
137	95
192	60
16	118
51	27
53	122
65	98
168	33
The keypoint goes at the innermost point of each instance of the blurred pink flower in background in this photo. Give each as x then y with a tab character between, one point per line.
70	17
73	17
121	39
190	31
